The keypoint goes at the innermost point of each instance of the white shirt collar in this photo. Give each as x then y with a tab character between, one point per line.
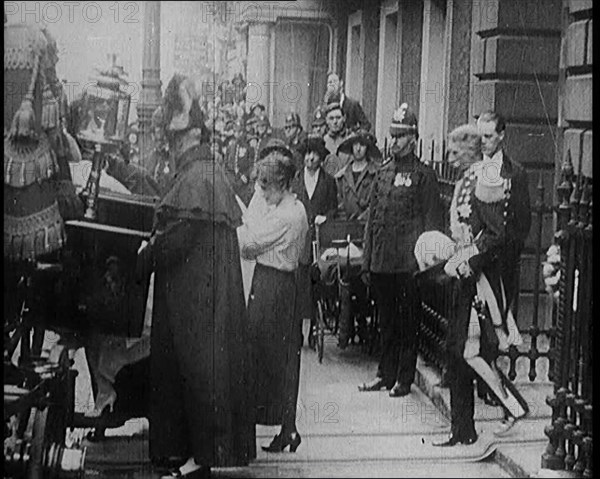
497	157
311	182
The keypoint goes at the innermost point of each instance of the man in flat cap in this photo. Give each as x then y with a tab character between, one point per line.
404	202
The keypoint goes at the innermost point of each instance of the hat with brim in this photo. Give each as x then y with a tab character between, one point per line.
313	143
275	144
363	137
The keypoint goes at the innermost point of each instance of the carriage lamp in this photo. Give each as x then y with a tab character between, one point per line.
102	127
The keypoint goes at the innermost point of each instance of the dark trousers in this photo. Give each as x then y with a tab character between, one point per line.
399	319
459	374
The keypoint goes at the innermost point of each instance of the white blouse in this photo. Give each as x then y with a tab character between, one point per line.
274	235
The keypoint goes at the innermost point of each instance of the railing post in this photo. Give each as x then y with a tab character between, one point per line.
553	457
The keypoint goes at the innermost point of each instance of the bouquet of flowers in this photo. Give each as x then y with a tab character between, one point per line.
551	271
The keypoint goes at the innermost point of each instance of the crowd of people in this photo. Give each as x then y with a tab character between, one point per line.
301	183
223	359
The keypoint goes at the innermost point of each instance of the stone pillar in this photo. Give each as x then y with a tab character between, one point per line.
258	69
150	96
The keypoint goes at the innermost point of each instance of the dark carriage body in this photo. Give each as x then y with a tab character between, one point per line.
100	289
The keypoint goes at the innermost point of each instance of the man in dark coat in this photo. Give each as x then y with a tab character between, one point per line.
491	126
353	112
489	221
404	202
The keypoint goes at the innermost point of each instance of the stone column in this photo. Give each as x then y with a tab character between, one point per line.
258	69
151	85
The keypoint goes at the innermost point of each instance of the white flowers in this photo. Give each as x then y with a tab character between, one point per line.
551	271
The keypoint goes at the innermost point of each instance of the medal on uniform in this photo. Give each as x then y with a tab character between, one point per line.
399	180
402	179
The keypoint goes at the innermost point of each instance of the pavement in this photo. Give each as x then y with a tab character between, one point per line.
520	453
347	433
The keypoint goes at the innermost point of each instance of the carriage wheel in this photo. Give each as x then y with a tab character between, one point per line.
320	339
345	319
37	429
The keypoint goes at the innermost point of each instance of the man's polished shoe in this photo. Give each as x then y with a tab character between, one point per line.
454	440
399	391
374	385
508	424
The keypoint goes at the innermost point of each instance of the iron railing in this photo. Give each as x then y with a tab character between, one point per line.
570	432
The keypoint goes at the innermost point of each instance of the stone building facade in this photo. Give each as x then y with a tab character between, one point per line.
451	59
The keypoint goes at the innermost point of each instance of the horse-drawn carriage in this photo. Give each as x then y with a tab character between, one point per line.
71	271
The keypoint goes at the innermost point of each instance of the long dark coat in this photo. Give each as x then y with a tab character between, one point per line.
200	402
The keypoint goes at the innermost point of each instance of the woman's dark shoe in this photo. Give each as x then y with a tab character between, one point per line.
453	440
374	385
281	441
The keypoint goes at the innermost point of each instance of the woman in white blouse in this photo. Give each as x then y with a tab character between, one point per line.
273	234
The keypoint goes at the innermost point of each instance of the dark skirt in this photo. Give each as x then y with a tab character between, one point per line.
275	335
200	396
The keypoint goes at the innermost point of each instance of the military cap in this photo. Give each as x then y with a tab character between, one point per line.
292	119
318	117
404	121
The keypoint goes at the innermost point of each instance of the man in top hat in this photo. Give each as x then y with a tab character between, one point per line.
335	136
294	136
319	125
404	202
353	112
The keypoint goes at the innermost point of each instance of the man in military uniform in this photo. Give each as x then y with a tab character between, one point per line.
404	202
